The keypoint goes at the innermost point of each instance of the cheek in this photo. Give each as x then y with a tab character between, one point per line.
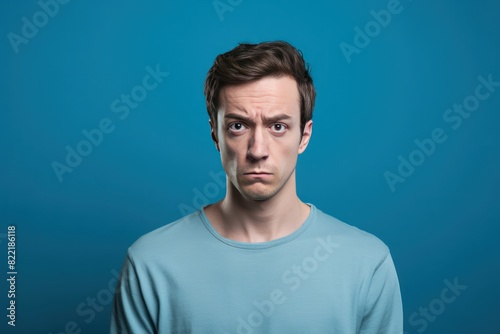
229	156
291	159
288	156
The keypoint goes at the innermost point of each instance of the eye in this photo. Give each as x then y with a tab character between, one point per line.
278	127
236	127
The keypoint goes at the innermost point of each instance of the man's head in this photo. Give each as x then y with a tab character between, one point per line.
260	100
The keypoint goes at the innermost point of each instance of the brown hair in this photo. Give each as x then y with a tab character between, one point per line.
250	62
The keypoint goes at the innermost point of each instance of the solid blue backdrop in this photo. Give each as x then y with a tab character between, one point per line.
104	137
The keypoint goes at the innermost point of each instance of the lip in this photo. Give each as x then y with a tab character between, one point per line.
257	174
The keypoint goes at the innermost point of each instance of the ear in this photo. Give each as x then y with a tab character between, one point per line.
306	136
213	133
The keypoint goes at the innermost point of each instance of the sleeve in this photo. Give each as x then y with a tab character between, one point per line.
130	314
383	308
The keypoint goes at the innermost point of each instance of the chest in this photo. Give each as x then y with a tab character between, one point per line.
261	293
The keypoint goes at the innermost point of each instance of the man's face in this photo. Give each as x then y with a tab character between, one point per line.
258	135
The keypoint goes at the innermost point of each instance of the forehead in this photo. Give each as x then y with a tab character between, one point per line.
264	95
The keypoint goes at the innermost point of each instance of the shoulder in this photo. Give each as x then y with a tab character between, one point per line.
167	238
351	238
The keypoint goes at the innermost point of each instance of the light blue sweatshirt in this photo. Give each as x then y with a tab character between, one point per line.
326	277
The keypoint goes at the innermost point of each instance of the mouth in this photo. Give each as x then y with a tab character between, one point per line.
257	173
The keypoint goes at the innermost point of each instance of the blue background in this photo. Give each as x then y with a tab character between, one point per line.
442	223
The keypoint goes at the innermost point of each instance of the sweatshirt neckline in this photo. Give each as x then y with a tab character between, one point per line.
259	245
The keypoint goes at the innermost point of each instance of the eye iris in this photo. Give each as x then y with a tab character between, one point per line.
237	126
278	127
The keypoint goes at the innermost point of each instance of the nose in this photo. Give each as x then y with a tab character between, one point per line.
257	145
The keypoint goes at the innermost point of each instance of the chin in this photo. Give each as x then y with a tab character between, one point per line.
259	194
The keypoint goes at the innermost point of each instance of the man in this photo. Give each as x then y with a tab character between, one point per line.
260	260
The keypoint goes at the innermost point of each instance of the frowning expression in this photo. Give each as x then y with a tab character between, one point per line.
259	137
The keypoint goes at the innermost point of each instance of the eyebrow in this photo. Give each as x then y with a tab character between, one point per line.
272	119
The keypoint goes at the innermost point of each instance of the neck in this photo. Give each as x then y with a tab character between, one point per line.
247	220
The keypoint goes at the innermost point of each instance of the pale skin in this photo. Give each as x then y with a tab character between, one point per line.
258	137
